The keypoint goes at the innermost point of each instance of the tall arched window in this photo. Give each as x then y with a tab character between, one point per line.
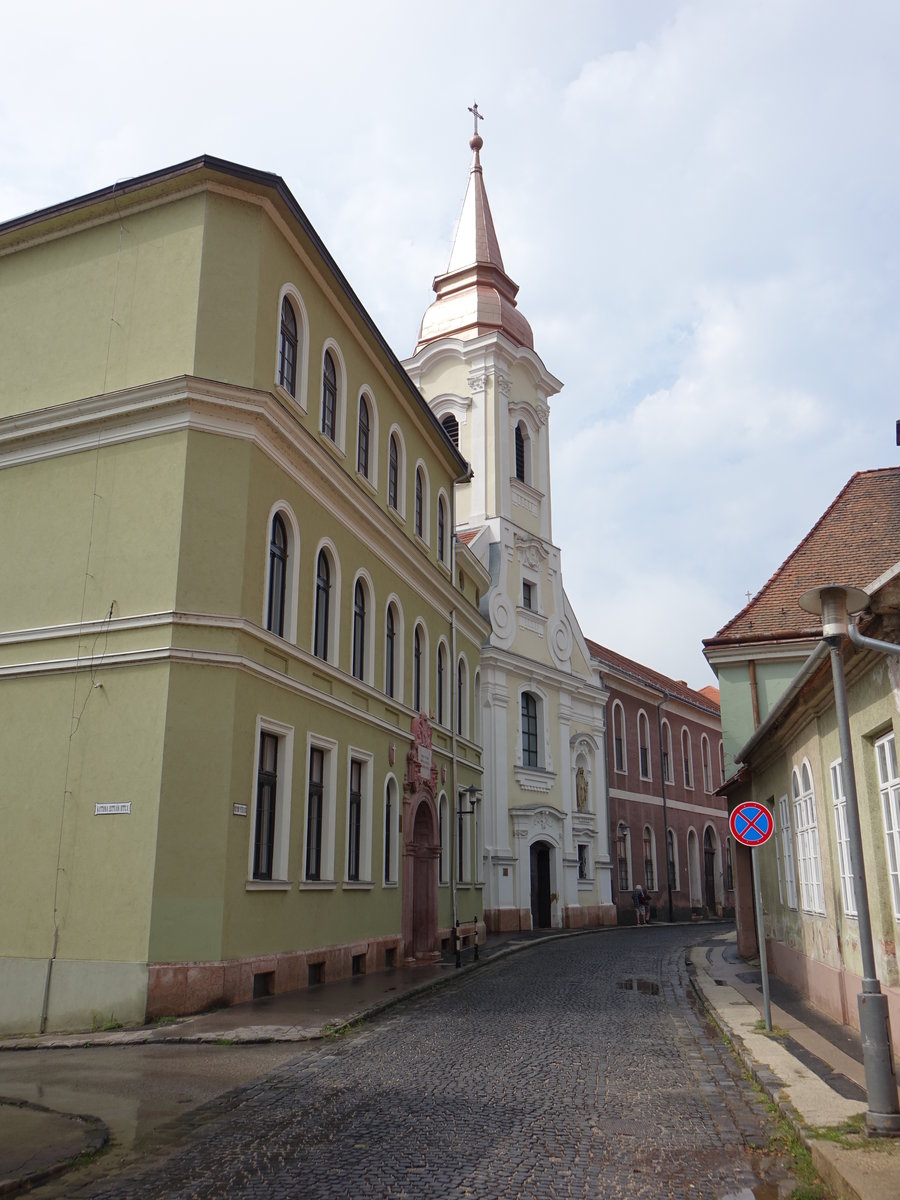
529	730
278	544
359	630
393	472
323	599
441	681
671	861
287	351
520	454
619	759
706	764
329	396
391	829
809	862
721	762
441	529
420	501
461	706
644	744
362	439
451	428
390	651
649	860
623	856
667	766
686	756
417	670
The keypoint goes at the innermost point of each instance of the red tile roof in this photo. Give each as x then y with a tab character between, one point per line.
676	688
468	535
711	693
854	542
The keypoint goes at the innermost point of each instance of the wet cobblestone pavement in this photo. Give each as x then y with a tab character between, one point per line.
577	1068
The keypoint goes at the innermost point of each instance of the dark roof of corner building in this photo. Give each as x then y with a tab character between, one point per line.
854	542
157	181
676	689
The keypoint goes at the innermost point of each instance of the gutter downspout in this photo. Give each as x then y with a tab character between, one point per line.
662	777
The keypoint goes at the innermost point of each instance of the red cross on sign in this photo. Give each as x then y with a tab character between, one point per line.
752	823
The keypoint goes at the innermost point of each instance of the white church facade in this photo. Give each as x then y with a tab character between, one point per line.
545	822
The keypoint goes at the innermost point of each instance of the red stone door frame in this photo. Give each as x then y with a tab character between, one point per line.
421	848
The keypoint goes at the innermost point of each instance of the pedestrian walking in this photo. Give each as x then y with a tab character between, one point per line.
641	904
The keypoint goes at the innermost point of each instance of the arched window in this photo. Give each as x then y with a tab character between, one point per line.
391	830
393	472
623	856
359	630
644	744
529	730
287	350
441	529
451	428
420	501
686	755
649	859
323	600
329	396
390	651
671	860
809	863
706	764
444	838
417	669
462	715
441	683
721	762
668	772
619	758
278	550
521	463
362	439
476	700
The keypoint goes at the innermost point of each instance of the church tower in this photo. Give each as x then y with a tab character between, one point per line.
546	829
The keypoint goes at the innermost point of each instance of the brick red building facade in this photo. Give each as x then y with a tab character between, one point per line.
668	829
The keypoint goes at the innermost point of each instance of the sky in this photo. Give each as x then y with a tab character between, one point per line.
698	200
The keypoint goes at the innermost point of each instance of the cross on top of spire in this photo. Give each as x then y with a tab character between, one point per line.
476	141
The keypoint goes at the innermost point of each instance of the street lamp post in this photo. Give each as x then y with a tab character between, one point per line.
883	1115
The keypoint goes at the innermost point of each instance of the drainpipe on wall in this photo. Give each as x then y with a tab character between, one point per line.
662	776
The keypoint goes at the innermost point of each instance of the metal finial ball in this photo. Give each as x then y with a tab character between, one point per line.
476	142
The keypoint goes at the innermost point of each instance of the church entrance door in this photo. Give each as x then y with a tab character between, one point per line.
540	886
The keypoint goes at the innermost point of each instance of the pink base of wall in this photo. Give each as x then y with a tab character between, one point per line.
516	920
177	989
831	990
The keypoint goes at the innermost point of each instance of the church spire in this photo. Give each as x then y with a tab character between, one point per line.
475	296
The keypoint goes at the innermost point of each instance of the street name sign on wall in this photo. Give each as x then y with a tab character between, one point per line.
752	824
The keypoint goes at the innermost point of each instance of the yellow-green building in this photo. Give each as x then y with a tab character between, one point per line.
230	587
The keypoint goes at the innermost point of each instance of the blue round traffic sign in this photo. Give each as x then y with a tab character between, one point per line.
752	823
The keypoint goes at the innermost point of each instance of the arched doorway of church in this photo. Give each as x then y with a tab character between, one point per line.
424	853
540	886
709	870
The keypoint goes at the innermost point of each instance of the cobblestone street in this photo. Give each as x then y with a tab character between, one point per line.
577	1068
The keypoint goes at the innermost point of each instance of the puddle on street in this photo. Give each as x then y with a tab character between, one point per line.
645	986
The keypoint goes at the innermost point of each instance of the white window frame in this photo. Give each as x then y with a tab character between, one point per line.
334	601
400	509
362	576
839	799
687	759
282	509
668	760
623	831
340	404
649	829
643	728
809	858
390	877
787	851
676	870
706	764
329	748
365	759
889	788
300	399
370	480
445	866
284	773
618	707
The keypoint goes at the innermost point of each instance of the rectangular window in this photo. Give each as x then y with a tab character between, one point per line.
266	793
583	861
787	852
315	814
808	860
529	731
889	786
527	595
620	754
645	762
843	839
354	820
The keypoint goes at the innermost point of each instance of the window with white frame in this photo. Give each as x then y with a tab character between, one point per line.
721	762
360	611
270	824
530	730
442	530
889	787
392	638
462	698
278	571
444	839
706	763
391	830
787	851
451	428
649	846
523	453
623	857
809	862
476	705
287	348
322	618
329	396
667	761
644	744
843	838
686	756
442	684
584	861
620	760
419	520
359	819
672	859
363	438
420	668
319	835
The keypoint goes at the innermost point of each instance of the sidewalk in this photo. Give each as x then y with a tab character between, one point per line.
822	1088
812	1070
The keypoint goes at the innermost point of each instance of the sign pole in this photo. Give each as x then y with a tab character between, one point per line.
761	937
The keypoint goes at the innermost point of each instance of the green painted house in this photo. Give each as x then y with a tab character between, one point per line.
239	642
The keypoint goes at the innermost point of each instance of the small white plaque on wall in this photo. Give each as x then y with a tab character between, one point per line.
105	810
240	810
